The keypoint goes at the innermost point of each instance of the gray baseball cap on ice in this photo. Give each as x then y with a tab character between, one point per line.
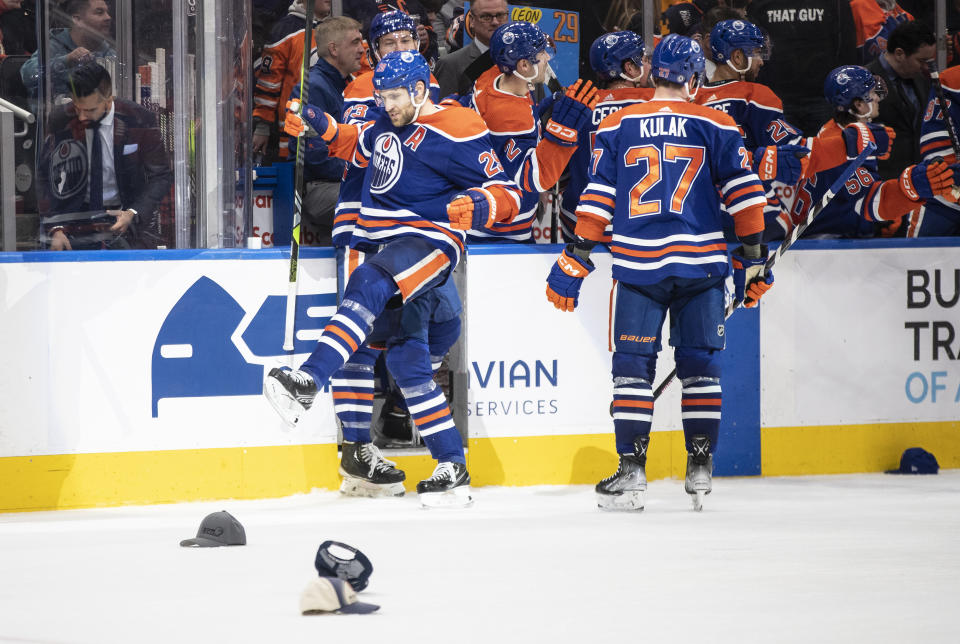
218	529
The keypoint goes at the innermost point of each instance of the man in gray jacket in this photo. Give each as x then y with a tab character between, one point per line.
88	39
482	20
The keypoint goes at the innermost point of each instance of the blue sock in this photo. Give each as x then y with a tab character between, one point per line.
353	388
429	410
700	409
364	299
632	411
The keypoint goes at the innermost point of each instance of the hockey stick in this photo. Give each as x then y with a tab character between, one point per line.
828	196
289	318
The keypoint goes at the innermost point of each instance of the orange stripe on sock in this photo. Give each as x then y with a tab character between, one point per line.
349	395
431	417
645	404
695	402
335	330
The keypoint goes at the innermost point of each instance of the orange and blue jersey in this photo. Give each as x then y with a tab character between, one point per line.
533	163
358	97
414	171
658	173
759	113
935	142
755	108
845	215
874	26
610	101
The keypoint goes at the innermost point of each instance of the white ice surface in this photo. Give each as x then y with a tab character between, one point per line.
866	558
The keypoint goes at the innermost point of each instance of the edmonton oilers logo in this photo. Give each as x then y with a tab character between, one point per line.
68	169
387	163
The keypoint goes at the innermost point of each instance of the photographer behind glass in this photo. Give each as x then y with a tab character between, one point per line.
103	173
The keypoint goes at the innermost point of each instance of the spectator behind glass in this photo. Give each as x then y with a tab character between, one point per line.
810	38
102	175
875	20
904	68
482	20
18	36
87	39
275	75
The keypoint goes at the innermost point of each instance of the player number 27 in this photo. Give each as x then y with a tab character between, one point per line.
651	156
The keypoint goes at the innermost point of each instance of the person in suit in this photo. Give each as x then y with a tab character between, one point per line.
482	20
904	69
103	172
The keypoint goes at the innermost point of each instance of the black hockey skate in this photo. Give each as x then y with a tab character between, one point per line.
699	479
626	489
447	487
290	392
366	473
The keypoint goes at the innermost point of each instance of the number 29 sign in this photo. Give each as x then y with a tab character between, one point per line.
563	29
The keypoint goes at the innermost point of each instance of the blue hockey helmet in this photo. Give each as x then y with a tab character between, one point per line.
609	51
677	59
402	69
389	22
850	82
728	36
516	41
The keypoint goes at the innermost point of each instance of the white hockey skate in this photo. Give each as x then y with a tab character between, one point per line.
290	392
626	489
447	487
367	473
699	479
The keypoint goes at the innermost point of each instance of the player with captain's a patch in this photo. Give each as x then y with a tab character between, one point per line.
431	174
623	69
658	173
533	157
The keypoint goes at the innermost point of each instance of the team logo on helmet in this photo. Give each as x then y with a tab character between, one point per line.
738	25
508	38
610	40
68	169
387	163
407	56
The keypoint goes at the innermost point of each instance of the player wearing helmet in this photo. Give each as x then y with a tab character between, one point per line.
533	158
658	174
938	217
431	173
623	70
867	206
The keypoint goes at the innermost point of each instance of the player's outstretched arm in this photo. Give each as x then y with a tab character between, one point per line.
831	149
308	120
571	112
889	201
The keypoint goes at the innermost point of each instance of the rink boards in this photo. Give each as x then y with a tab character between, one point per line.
136	377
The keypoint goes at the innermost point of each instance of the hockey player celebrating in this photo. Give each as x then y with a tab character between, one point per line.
779	151
655	175
431	173
866	205
533	159
624	75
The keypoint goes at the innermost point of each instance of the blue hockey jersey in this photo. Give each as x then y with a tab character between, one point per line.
655	174
414	171
610	101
